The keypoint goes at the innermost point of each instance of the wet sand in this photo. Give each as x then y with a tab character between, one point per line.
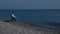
23	28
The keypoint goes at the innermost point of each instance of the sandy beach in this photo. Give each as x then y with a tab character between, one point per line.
23	28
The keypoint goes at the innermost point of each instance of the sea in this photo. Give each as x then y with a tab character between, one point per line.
44	17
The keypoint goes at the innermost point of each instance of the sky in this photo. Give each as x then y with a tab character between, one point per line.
29	4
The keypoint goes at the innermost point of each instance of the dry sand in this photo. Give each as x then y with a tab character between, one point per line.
22	28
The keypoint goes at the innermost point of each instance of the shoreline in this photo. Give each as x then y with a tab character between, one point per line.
31	25
26	27
44	26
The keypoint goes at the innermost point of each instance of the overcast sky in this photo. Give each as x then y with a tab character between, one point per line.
29	4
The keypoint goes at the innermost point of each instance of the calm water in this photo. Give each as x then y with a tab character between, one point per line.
50	17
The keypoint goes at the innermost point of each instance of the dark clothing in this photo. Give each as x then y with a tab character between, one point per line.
13	19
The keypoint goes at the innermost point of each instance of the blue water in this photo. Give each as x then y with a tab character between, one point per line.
47	17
